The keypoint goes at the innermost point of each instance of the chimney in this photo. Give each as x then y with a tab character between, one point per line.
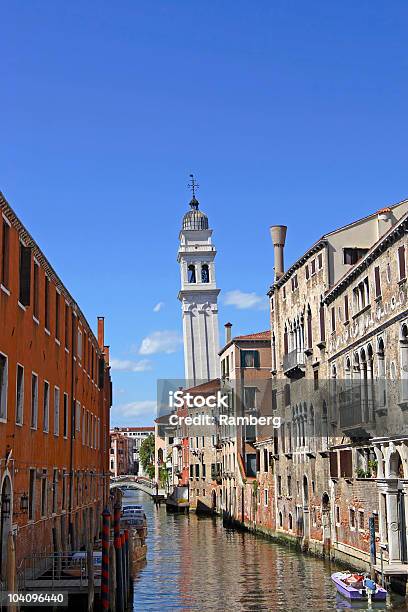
278	235
228	332
106	352
101	332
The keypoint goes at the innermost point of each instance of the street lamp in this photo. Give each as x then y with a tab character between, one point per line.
24	503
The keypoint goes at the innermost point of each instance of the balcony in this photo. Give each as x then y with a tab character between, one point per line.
294	363
356	413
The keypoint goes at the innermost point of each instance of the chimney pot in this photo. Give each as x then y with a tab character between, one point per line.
278	236
228	332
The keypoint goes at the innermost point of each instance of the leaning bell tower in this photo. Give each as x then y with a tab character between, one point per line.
198	295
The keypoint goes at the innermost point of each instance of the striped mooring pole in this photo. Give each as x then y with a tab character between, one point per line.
106	517
120	606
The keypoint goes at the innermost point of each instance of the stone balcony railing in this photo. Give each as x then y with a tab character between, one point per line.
293	360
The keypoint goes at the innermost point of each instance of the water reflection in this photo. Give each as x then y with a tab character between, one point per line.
195	564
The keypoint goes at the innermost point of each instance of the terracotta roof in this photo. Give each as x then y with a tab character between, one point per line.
211	385
265	335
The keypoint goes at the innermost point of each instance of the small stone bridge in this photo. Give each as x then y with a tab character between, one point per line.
137	483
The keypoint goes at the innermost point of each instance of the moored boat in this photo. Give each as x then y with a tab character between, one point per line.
357	587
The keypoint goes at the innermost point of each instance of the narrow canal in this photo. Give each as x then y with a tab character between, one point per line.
195	564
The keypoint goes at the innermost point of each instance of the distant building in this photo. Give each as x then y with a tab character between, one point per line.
136	436
121	454
55	400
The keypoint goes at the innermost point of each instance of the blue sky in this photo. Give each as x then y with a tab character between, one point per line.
288	112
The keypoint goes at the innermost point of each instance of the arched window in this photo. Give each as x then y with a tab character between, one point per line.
280	520
382	387
290	521
309	328
322	323
205	274
191	273
404	362
273	352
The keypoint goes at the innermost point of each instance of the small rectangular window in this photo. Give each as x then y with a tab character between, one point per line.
36	297
83	426
338	515
313	266
266	497
78	417
20	395
31	495
55	491
333	319
307	272
34	400
79	345
401	262
56	410
352	518
346	309
5	255
46	407
65	415
57	314
284	292
66	326
64	489
361	524
320	261
377	278
47	303
3	385
44	493
322	324
24	275
249	359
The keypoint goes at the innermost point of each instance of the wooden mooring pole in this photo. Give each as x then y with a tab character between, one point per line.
119	565
91	581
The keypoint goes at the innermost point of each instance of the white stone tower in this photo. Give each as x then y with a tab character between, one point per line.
198	296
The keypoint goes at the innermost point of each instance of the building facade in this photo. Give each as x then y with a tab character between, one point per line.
55	398
136	436
121	454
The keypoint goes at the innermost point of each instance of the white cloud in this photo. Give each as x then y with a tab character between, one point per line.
131	366
158	307
161	342
143	408
244	301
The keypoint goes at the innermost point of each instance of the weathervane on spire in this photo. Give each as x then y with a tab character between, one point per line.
193	185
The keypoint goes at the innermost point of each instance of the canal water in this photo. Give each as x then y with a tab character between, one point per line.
195	564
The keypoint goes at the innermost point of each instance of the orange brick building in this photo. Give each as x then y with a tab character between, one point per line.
55	397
